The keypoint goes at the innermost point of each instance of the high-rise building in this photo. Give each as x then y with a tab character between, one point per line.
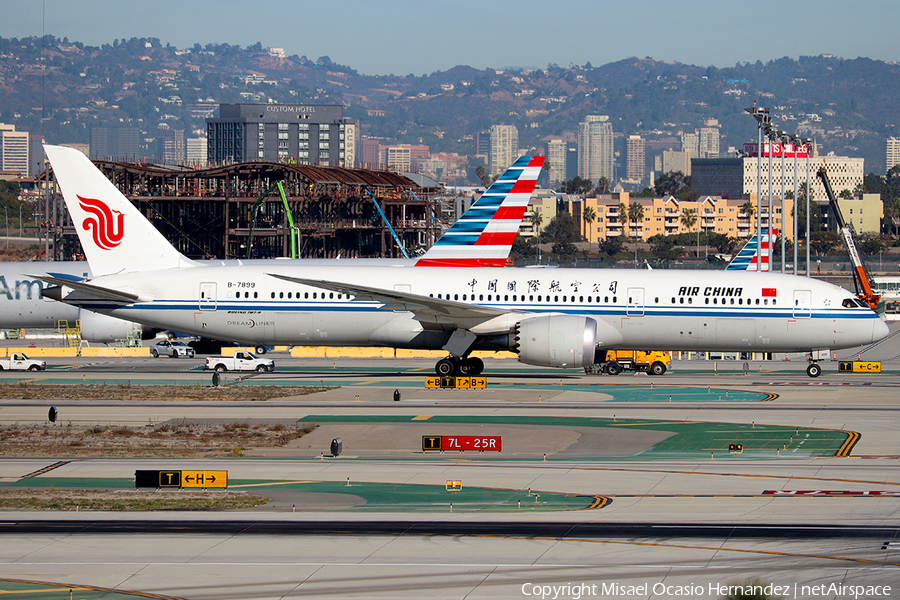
195	151
36	156
571	159
13	150
170	144
504	147
556	161
595	148
892	156
369	152
674	162
113	142
404	158
709	140
636	158
303	133
690	142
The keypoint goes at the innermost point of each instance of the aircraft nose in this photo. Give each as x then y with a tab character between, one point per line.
879	330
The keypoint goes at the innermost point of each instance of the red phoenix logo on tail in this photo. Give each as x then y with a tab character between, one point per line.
104	223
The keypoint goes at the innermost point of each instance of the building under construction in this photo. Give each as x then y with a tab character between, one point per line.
240	211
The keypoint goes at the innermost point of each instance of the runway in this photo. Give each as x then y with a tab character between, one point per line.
680	515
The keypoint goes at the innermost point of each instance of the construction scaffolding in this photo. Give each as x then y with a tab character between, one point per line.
206	213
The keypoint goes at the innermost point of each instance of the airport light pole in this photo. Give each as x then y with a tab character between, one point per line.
794	141
762	118
783	136
771	135
806	142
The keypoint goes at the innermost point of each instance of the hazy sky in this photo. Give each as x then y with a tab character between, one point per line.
402	37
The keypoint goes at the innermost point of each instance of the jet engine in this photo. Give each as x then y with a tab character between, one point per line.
96	327
565	341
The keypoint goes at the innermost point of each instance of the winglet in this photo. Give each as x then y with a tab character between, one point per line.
115	236
484	235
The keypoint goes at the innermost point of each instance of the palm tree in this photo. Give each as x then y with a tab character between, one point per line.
688	219
536	219
635	214
749	209
602	186
622	215
588	215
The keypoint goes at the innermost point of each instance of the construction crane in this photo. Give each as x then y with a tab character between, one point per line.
388	223
861	279
292	229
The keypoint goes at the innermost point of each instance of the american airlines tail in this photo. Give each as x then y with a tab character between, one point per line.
755	256
484	235
114	234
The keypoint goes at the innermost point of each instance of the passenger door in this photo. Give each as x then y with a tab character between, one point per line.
635	305
802	304
208	296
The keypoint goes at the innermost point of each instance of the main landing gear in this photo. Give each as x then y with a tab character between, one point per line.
461	367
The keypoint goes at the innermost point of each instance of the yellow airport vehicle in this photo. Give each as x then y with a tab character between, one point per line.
859	366
614	362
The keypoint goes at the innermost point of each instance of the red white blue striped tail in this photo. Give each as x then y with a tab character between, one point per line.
755	256
484	235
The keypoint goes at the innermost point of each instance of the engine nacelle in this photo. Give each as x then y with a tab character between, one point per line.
565	341
96	327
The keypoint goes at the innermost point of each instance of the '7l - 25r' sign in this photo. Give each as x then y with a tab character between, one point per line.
461	443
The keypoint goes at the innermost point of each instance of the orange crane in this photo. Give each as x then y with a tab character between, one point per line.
861	279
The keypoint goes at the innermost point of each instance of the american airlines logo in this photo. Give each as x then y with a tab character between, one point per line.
104	223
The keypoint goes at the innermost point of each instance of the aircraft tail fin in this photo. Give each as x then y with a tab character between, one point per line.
755	256
115	236
484	235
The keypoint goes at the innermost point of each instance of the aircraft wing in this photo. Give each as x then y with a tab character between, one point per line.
425	308
91	290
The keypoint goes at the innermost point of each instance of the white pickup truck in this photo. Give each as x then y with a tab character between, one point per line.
241	361
19	362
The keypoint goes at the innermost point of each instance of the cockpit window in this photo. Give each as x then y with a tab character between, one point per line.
853	303
861	304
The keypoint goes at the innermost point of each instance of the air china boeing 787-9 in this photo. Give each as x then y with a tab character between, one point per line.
455	301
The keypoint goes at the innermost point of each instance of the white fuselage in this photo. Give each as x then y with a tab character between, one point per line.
663	310
22	305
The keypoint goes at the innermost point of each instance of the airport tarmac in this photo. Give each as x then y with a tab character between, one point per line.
638	487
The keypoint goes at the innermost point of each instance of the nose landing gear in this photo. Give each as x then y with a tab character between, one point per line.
813	370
